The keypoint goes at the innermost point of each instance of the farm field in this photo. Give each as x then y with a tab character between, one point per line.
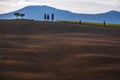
92	23
34	50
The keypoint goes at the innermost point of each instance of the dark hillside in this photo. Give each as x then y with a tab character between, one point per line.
33	50
37	27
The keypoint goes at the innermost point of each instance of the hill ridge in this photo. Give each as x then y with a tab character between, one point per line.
37	13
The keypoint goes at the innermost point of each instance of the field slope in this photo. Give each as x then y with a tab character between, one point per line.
32	50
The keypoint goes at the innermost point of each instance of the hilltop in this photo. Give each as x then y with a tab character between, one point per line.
38	27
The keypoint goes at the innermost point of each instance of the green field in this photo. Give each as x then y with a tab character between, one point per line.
92	23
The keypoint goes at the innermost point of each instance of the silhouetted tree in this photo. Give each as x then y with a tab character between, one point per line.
104	23
45	16
52	17
22	15
16	14
48	17
80	22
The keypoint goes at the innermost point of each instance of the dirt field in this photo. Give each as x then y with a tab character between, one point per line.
31	50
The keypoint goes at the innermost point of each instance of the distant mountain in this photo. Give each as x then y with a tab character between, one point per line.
37	13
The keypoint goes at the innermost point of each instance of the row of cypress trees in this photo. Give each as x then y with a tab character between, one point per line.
47	17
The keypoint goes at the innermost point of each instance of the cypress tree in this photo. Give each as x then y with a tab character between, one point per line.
45	16
52	17
48	17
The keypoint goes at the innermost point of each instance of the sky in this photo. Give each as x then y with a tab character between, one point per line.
76	6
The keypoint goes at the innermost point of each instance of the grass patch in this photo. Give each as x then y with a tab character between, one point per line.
92	23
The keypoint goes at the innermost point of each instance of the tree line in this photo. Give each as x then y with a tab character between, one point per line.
47	17
19	14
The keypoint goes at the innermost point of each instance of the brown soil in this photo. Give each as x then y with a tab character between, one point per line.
32	50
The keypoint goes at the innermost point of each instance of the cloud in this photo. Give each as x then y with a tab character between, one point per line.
10	1
77	6
7	6
82	6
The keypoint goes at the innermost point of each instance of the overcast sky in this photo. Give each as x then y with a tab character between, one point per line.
77	6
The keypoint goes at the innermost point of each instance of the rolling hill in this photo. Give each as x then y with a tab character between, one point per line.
37	12
34	50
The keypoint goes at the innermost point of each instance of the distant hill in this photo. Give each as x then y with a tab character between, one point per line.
37	12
